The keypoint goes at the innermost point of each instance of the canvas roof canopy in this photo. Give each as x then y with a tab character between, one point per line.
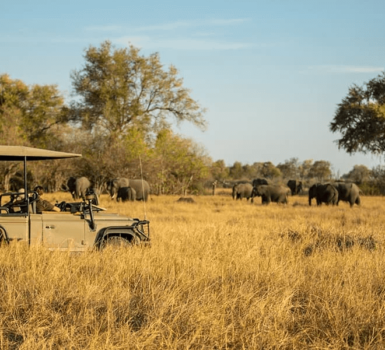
29	153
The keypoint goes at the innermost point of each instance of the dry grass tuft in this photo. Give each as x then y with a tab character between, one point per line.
220	274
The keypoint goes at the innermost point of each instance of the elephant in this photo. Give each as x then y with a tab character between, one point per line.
257	182
348	192
126	194
295	186
78	186
141	187
271	193
114	185
323	193
242	190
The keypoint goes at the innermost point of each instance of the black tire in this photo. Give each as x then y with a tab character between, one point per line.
118	242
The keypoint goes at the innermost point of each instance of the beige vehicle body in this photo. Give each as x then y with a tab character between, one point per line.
77	227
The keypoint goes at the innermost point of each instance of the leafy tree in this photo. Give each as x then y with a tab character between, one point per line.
290	168
178	163
236	170
28	115
358	174
44	112
119	89
360	118
13	97
375	184
270	171
304	168
219	170
320	170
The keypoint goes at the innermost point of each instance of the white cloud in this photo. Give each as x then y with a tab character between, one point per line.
165	26
180	44
170	25
149	36
108	28
225	22
347	69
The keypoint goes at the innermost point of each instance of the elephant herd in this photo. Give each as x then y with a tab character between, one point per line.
323	193
120	188
334	193
123	189
261	188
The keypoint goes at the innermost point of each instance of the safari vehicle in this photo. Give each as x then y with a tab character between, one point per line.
77	227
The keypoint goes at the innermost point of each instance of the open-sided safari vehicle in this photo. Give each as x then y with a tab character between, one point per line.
77	227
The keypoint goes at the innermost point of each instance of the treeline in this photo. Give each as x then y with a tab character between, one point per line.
371	181
121	120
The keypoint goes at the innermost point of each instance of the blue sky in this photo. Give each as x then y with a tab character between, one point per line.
270	73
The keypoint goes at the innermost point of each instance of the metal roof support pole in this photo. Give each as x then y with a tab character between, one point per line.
26	184
27	199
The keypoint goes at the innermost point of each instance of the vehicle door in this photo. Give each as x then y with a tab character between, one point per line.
16	226
63	230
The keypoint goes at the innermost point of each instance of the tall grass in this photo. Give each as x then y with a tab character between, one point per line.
220	274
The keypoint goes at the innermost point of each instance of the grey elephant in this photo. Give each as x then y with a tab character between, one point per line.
295	186
78	186
348	192
271	193
257	182
126	194
141	187
114	185
323	193
242	190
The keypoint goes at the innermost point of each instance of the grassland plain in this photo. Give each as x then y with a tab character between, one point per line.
221	274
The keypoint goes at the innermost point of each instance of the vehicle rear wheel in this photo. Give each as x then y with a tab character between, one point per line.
117	242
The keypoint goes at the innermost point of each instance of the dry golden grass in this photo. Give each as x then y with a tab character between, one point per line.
221	274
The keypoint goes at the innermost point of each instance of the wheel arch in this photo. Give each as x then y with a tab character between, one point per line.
120	231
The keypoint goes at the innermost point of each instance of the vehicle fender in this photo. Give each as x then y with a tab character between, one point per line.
127	232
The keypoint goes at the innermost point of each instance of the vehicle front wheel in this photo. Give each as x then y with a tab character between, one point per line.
117	242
